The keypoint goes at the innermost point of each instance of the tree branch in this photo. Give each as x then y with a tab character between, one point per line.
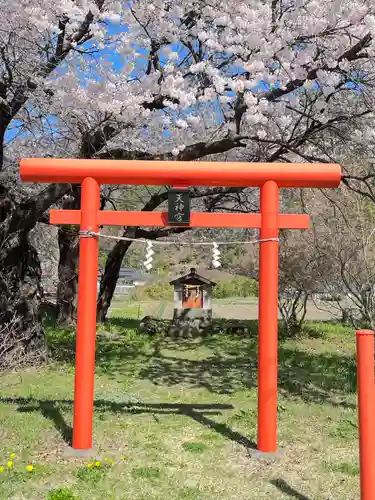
190	153
63	48
350	55
33	209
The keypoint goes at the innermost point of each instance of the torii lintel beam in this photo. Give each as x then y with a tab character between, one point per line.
177	173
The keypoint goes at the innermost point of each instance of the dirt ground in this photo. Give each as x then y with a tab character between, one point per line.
247	310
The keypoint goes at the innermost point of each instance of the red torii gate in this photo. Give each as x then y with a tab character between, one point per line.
269	177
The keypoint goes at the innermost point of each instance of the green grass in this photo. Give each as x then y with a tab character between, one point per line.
195	447
127	310
62	494
177	419
351	469
146	473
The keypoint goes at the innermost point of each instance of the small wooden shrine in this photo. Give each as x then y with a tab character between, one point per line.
192	303
192	291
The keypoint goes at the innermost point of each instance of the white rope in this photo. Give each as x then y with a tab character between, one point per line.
88	234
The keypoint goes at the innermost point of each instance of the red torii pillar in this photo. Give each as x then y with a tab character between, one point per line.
268	176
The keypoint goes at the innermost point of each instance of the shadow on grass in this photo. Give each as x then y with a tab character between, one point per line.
51	411
231	364
288	490
201	413
220	363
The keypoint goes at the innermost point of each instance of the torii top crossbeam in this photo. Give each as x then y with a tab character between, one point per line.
177	173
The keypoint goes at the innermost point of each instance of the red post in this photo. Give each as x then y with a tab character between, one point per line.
366	412
268	316
86	325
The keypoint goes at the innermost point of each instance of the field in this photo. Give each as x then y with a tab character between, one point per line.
236	308
177	420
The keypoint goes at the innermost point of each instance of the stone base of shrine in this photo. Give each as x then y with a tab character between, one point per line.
190	322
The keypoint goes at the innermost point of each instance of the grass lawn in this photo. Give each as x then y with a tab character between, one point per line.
177	420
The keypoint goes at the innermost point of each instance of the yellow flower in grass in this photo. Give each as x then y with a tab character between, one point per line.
123	458
98	464
12	455
1	468
29	468
90	466
10	464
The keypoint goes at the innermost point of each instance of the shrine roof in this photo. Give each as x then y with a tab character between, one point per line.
193	276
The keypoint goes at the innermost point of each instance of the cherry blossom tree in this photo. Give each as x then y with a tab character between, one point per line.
343	242
277	77
37	40
255	81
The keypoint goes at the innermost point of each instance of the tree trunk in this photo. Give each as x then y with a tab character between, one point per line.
68	264
109	280
67	274
22	337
